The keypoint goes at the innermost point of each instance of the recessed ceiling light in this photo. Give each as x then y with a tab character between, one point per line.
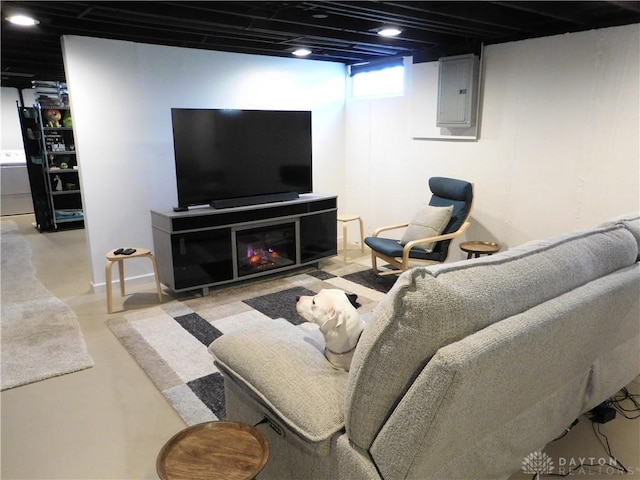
302	52
23	20
389	32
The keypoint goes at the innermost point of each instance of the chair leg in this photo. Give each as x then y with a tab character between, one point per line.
374	263
155	272
107	270
361	234
344	240
121	272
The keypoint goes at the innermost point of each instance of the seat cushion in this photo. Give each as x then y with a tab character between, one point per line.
429	221
282	367
393	248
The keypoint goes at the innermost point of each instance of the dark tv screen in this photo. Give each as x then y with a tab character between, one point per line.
231	154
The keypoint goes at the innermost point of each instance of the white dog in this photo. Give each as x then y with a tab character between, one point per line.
335	312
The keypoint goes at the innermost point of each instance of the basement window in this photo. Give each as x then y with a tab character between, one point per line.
377	79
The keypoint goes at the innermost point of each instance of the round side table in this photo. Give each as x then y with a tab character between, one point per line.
214	450
475	248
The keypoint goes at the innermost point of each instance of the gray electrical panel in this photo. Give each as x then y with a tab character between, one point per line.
457	91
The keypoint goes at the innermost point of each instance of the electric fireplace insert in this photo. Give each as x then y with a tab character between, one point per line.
265	248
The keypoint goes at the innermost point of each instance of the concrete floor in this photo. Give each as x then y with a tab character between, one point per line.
110	422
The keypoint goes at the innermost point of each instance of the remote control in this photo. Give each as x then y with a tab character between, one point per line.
118	251
129	251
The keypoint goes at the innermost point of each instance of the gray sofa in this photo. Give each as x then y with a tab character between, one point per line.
464	368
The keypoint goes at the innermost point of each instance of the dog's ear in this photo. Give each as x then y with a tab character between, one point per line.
340	316
353	299
334	319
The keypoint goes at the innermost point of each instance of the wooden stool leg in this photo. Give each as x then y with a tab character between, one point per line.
107	270
344	240
121	271
155	272
361	234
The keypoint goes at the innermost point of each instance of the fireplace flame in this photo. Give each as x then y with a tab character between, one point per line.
261	256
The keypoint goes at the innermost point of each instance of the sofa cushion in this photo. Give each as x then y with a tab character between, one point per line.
434	306
449	424
430	221
631	221
283	368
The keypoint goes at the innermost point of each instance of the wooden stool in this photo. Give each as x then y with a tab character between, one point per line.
113	258
214	450
349	218
477	248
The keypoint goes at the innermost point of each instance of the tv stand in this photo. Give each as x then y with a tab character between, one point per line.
201	248
254	200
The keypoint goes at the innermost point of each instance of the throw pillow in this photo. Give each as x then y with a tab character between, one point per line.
428	222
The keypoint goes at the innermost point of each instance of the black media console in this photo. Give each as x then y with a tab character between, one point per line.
204	247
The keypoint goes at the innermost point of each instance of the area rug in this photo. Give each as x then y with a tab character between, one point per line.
170	341
41	337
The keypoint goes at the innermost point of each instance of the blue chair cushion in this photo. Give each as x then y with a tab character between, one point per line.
393	248
449	191
446	191
451	188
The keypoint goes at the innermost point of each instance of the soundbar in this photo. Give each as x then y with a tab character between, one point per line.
254	200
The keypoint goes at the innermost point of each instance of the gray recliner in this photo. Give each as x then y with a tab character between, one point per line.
446	380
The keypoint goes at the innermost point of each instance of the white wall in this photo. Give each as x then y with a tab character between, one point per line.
121	94
11	138
14	179
558	148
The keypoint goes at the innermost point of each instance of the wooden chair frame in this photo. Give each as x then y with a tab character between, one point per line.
402	263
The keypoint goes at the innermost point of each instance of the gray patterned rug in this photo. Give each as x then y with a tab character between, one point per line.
41	337
170	341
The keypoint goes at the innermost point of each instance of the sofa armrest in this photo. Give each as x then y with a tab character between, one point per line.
283	368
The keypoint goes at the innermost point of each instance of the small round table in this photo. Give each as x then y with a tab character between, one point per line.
477	248
214	450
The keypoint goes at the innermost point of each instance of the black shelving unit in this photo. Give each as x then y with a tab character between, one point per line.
52	165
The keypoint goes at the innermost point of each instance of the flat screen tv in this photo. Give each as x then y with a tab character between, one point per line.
241	157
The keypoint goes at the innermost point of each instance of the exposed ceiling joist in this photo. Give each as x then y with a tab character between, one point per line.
338	31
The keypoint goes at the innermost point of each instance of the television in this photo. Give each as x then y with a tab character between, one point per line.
229	158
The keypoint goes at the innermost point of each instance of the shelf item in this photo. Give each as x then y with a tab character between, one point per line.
53	170
69	215
205	247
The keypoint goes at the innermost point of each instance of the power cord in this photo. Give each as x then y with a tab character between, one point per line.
607	448
575	422
621	400
625	403
614	464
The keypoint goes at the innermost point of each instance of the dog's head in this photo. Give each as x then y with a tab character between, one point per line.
329	308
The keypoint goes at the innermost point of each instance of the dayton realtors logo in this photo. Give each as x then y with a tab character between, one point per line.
537	463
